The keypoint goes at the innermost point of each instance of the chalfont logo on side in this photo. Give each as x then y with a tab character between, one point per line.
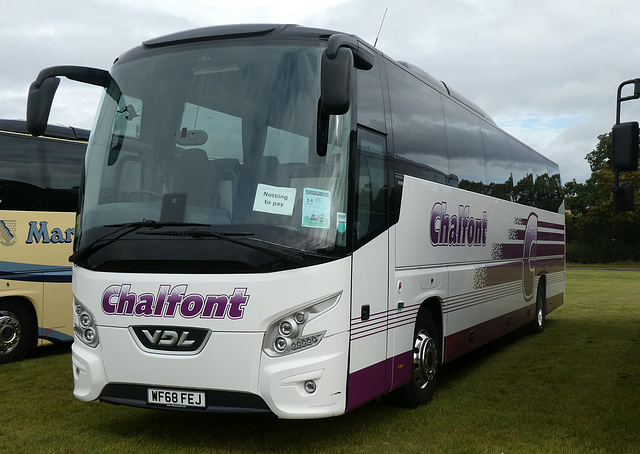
457	230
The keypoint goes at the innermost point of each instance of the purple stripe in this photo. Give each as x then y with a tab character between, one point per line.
550	225
512	251
464	341
504	273
475	300
554	302
547	236
515	251
363	326
543	250
548	266
367	333
373	317
375	380
519	235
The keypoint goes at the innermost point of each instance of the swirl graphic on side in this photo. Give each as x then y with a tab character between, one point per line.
529	253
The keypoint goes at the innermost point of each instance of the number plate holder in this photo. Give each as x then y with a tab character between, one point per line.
176	398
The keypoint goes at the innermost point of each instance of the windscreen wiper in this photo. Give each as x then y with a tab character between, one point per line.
123	229
232	237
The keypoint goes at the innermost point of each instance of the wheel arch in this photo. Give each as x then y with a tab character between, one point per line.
433	305
542	283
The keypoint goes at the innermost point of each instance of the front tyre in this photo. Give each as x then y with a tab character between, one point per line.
425	364
16	331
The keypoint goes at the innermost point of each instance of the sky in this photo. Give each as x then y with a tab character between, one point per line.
547	71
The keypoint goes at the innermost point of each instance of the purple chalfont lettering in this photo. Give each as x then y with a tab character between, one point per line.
238	301
144	305
471	230
436	223
439	223
191	305
463	219
118	299
457	230
126	301
163	290
453	232
109	307
215	306
175	297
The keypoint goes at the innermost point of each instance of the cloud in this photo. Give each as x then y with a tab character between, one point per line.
546	70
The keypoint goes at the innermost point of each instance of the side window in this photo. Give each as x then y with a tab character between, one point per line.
371	195
496	152
464	143
129	117
22	183
419	141
63	162
370	105
522	171
546	184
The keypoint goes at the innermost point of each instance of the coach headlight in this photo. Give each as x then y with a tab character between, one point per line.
287	335
84	325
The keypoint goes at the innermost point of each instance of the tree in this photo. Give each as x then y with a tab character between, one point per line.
599	158
580	197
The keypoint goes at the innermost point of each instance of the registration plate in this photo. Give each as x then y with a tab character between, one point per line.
176	398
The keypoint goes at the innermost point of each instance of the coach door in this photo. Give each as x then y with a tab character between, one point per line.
370	273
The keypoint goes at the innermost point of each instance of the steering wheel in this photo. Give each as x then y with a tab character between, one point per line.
142	192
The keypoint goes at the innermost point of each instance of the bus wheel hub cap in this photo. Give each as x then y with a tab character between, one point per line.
425	357
9	332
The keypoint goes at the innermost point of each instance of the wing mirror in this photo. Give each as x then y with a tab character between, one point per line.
43	90
624	150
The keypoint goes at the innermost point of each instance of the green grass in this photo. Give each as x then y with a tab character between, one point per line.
629	264
573	389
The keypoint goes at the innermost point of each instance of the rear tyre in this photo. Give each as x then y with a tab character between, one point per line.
16	331
540	317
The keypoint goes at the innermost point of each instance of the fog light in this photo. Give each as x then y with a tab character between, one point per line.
310	386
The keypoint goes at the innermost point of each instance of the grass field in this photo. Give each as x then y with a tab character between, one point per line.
573	389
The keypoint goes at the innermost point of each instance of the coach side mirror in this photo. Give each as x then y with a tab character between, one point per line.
43	89
343	53
335	92
39	104
623	199
335	83
624	146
